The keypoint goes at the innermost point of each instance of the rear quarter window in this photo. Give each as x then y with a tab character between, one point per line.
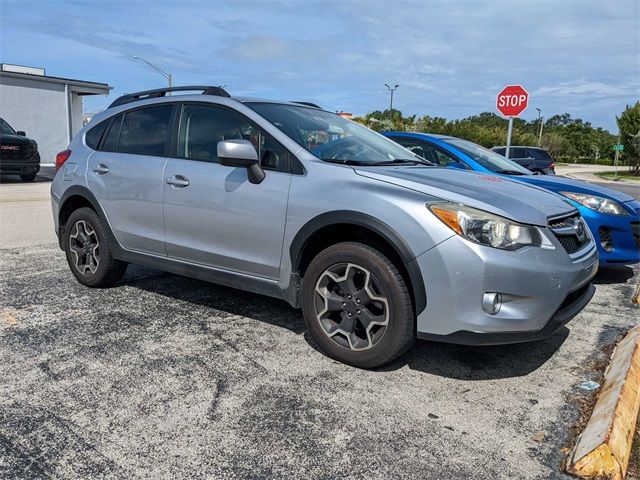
110	143
93	136
540	155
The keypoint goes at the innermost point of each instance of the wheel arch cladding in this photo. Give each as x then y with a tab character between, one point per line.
344	225
76	197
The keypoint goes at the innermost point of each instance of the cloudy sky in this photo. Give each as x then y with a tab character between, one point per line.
449	57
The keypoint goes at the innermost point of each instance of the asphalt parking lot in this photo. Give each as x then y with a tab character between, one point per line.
167	377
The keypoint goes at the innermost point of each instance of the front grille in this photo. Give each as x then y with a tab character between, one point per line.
570	244
570	231
24	152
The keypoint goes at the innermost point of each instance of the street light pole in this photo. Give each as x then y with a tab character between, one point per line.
166	75
541	125
391	101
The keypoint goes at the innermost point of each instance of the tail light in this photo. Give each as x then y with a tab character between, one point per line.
61	158
552	165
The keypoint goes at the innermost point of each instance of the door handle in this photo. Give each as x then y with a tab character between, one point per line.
101	168
178	181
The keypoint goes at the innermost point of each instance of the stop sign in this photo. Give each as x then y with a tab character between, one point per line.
512	100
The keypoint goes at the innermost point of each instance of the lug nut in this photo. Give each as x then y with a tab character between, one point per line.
358	312
357	300
350	314
349	296
344	304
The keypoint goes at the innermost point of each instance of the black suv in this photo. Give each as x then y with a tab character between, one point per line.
18	154
536	159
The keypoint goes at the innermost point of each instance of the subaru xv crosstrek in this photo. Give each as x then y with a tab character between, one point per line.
612	216
285	199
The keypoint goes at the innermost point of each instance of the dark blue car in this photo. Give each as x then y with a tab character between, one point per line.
613	217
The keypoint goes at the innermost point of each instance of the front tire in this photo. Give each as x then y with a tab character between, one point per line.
88	251
28	178
357	306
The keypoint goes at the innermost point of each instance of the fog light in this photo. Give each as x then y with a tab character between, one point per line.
491	302
607	247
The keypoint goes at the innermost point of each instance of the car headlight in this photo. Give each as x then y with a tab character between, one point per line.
599	204
486	228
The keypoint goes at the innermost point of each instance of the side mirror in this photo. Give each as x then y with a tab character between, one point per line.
21	133
241	154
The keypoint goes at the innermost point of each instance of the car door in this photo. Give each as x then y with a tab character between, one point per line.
213	215
126	176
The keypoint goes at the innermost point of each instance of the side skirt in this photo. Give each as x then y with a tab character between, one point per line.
261	286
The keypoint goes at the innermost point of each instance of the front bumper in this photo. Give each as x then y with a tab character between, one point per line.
620	232
541	290
27	166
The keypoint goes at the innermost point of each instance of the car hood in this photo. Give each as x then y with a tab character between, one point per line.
491	193
557	183
10	139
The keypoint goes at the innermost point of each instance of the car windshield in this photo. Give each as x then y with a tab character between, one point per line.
335	139
488	159
6	128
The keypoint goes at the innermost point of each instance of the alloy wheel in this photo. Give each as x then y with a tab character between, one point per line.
350	306
85	247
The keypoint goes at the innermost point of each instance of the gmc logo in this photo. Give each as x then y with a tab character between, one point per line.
9	147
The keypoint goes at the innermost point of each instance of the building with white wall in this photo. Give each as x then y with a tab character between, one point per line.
49	109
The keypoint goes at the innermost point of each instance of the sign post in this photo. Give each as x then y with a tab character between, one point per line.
618	147
511	102
509	130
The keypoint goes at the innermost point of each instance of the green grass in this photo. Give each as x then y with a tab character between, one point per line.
622	175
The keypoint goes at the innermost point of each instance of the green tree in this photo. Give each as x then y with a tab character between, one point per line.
629	127
565	137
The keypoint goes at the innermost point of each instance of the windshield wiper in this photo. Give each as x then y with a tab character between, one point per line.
403	161
510	172
348	162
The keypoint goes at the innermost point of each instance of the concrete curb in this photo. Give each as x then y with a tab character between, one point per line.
603	448
593	177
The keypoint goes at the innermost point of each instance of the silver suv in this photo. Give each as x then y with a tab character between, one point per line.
376	245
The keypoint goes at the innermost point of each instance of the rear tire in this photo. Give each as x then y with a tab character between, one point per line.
357	306
28	178
86	245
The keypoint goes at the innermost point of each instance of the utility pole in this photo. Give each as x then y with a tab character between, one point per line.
541	120
166	75
391	101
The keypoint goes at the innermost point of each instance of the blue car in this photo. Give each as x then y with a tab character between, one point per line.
613	217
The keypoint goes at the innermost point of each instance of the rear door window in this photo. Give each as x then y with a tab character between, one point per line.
145	131
517	152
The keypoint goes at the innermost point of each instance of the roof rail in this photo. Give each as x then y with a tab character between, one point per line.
161	92
308	104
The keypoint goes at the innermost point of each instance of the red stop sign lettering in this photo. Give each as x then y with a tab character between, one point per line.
512	100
